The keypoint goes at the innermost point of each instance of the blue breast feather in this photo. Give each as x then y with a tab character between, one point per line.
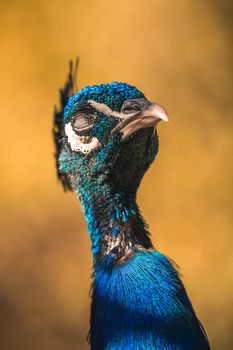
143	305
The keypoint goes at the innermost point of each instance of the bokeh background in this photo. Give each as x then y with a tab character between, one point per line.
179	53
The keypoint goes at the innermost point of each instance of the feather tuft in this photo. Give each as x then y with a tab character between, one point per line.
69	89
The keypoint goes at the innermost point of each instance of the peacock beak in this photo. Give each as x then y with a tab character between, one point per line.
146	118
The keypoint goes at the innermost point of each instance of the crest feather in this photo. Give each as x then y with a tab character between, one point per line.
65	93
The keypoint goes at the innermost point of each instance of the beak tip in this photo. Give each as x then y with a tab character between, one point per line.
160	112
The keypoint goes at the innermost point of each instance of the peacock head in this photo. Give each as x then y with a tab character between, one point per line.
109	132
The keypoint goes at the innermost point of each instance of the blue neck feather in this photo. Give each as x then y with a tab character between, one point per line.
115	224
138	299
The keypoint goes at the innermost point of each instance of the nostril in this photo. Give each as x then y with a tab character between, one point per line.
131	108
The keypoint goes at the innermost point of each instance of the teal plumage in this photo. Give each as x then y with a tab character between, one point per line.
106	139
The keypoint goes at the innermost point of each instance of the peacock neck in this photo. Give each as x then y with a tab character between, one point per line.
115	224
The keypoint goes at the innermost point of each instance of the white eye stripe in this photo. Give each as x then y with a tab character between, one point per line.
76	141
103	108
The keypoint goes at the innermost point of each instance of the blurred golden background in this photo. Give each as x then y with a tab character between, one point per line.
179	53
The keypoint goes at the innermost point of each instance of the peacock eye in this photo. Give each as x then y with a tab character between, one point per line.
83	122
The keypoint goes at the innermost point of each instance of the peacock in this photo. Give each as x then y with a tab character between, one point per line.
106	139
